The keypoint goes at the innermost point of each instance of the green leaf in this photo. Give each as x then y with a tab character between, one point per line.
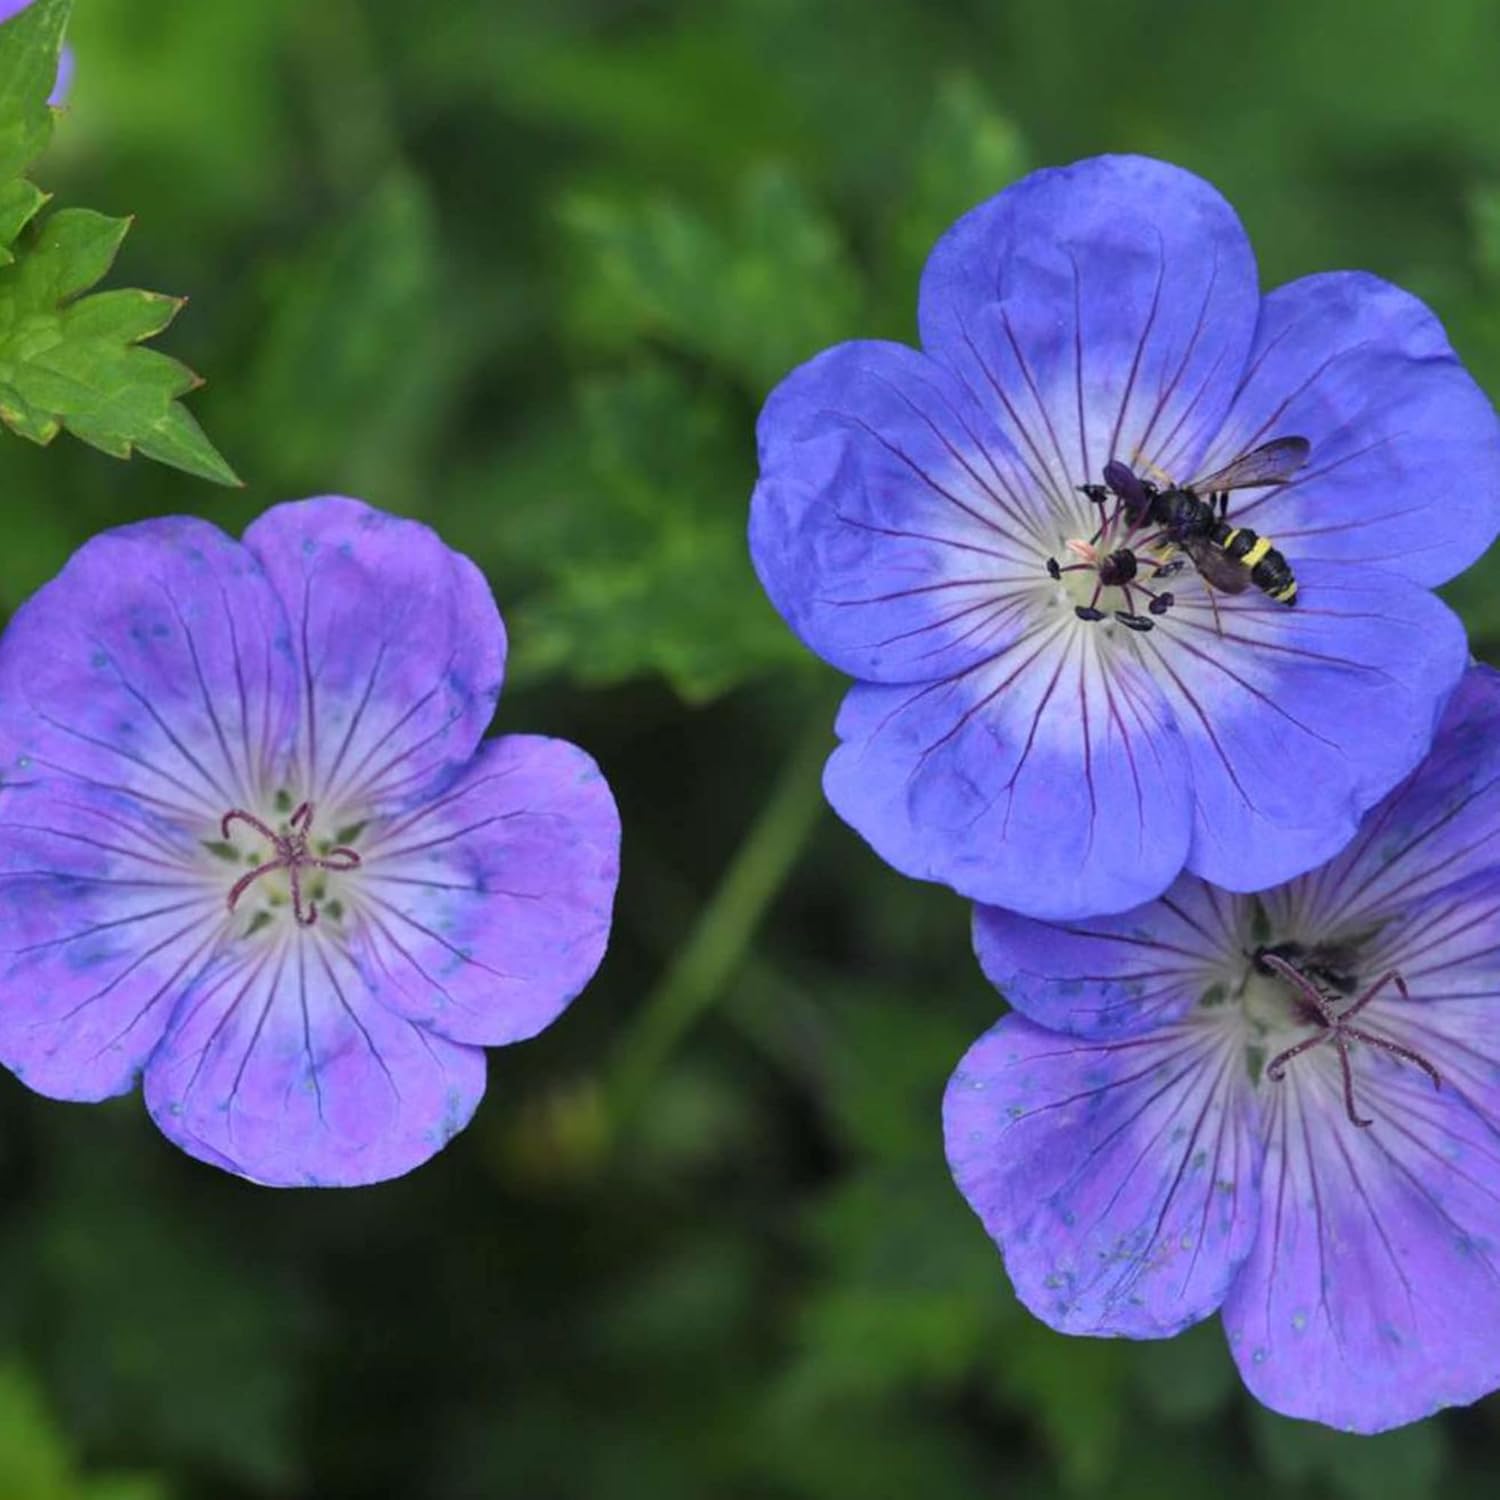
29	48
353	335
967	152
20	201
755	299
646	569
68	360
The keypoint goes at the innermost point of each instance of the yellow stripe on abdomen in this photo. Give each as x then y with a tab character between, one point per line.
1286	593
1257	552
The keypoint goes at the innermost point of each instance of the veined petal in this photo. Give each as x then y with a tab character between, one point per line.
1439	827
1373	1293
893	526
283	1068
155	664
104	922
398	645
1050	780
1446	948
1116	975
1297	721
1119	1178
484	912
1102	310
1404	471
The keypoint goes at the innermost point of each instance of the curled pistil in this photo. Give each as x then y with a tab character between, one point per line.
1336	1028
292	854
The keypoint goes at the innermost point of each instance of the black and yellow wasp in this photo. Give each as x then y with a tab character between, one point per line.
1229	557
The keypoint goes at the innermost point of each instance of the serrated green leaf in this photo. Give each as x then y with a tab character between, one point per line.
650	573
29	48
756	299
20	202
68	360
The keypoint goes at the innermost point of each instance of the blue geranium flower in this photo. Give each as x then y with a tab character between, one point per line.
1284	1106
1034	726
256	853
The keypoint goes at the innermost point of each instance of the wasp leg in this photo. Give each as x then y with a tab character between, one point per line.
1213	600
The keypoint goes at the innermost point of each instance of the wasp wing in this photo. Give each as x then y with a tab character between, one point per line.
1216	566
1272	463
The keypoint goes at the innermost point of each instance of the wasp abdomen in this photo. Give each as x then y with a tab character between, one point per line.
1269	570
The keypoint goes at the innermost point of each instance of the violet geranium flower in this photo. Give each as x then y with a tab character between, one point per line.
1039	721
1283	1106
252	846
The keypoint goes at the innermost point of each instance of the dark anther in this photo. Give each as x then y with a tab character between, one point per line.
1133	622
1336	1027
1053	571
1087	612
1118	568
292	855
1168	569
1095	492
1162	603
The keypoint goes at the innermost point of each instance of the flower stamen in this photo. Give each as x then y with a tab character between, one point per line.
1336	1028
292	854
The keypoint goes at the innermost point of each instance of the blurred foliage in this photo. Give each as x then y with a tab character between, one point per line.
526	271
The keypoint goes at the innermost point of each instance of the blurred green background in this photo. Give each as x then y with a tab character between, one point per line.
525	269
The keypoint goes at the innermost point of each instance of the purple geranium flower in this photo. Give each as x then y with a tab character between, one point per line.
1025	728
254	848
1285	1106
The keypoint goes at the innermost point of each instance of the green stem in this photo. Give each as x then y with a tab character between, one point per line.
725	927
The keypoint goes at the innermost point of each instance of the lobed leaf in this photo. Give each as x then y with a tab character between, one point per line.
657	580
74	361
29	47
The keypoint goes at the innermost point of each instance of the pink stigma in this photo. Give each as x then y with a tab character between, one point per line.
292	855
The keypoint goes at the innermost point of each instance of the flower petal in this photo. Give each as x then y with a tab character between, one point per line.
104	923
399	647
893	526
1050	780
1119	1178
1446	949
281	1067
1296	721
1102	310
1117	975
1438	827
154	664
1373	1293
486	911
1404	471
